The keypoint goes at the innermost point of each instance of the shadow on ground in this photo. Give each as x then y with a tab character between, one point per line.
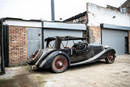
48	71
24	80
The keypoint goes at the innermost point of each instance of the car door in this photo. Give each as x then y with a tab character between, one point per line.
82	55
78	55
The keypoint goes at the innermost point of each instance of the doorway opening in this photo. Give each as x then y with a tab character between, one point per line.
126	45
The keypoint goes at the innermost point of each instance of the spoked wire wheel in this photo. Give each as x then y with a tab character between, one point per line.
110	58
59	64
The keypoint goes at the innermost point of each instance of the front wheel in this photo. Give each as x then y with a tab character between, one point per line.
59	64
110	58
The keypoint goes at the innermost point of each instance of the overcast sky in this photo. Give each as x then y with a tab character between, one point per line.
40	9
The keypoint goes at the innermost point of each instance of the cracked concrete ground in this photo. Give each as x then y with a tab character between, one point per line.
97	74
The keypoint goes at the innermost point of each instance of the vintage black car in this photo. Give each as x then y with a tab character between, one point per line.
59	56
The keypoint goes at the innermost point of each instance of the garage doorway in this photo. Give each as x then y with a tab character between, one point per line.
34	40
61	32
126	45
116	39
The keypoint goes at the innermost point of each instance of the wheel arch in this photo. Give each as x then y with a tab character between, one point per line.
51	56
111	50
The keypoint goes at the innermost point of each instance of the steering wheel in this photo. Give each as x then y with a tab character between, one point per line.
80	46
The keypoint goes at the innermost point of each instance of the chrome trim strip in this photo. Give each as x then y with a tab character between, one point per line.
91	59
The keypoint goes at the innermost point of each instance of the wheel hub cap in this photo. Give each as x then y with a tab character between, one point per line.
60	63
111	57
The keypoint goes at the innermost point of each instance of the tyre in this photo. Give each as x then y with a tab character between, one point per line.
110	58
59	64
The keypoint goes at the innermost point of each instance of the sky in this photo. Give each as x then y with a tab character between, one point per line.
41	9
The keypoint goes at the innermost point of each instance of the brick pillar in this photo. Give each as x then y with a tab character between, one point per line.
129	41
17	45
95	34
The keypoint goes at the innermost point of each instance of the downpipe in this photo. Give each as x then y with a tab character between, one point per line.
2	49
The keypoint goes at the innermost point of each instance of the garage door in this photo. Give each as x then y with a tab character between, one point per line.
34	40
52	33
115	39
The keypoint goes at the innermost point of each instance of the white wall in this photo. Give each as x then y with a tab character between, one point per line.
22	23
57	25
63	26
98	15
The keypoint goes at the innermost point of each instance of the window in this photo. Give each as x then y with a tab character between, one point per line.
123	10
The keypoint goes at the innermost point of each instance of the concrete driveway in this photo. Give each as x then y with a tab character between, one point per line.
97	74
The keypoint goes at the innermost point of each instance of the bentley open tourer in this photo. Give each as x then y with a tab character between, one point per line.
60	54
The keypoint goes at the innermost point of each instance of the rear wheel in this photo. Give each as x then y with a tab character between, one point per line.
59	64
110	58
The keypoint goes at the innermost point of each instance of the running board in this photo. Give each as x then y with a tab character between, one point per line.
90	59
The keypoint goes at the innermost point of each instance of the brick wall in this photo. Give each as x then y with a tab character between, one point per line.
129	40
128	10
94	34
17	45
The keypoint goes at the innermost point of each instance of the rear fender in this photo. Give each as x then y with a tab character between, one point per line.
46	63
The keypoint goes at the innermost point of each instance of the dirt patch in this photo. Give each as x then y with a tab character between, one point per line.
30	79
18	81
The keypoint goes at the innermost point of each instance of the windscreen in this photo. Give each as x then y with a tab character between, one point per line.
64	44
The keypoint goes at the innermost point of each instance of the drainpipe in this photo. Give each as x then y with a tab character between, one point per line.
87	32
101	26
42	34
2	49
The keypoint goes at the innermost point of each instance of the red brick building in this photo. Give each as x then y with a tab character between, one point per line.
21	38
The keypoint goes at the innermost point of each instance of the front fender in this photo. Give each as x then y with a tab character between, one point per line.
46	63
110	50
